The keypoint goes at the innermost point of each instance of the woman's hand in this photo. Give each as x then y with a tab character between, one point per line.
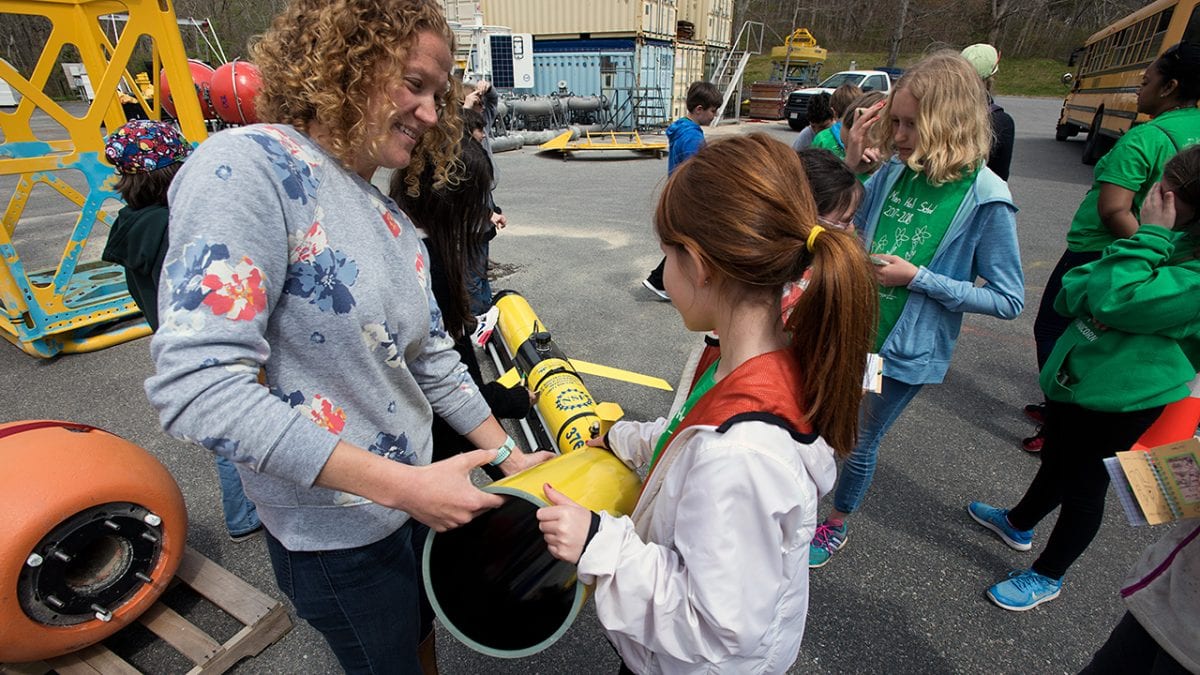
1159	207
564	525
598	442
443	496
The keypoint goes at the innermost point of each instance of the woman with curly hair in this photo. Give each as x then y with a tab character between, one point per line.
299	337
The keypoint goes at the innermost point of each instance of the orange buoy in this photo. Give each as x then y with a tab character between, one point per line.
201	78
234	86
94	528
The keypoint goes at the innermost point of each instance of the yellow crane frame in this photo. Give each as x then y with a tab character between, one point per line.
78	307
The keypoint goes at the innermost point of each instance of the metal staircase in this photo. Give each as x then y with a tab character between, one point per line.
651	109
728	77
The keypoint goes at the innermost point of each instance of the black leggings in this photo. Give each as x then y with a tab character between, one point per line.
1131	651
1049	324
1073	475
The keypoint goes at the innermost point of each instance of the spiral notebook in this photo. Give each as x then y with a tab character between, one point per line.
1160	485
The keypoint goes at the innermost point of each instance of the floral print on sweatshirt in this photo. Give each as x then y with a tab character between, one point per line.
318	272
204	275
294	165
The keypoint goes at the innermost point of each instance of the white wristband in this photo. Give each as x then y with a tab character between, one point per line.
503	452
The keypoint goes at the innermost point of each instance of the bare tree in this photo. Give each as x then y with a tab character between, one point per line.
898	35
1000	11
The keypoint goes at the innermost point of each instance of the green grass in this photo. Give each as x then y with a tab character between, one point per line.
1032	77
1017	77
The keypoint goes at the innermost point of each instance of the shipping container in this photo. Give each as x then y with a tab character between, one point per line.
689	67
584	19
712	59
635	77
711	21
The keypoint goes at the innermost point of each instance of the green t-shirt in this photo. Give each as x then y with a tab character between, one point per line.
913	222
1135	163
827	140
706	382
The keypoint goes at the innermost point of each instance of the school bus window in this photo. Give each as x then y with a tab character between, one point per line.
1135	42
1145	35
1122	47
1165	20
1146	41
1146	50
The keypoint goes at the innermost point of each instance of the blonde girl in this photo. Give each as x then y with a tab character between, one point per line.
935	219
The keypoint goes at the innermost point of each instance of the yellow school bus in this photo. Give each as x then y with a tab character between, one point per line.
1103	98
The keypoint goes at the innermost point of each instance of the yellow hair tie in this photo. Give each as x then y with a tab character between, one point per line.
812	236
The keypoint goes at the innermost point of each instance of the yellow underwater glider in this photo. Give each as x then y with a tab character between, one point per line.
499	560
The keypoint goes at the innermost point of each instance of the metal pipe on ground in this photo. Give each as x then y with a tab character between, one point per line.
506	143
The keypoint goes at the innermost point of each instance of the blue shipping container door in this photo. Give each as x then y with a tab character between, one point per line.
636	79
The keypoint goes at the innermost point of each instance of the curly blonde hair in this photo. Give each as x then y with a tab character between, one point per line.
953	123
327	61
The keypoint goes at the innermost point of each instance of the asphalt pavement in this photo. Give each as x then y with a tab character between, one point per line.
905	595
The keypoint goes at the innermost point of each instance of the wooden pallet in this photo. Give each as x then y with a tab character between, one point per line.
264	621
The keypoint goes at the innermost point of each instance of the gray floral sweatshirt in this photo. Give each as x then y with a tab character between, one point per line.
296	310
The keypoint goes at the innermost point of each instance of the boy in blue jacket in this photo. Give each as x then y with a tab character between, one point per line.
685	137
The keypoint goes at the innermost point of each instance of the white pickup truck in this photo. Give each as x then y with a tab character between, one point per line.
796	108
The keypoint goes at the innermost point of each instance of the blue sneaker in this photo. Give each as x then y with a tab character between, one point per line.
1024	590
996	520
827	540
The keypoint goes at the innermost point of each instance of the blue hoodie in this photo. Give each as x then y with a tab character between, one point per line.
684	139
981	242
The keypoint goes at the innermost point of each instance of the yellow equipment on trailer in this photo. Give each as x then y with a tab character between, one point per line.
797	63
76	306
603	140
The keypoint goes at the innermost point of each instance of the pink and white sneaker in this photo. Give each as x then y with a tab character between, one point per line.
487	324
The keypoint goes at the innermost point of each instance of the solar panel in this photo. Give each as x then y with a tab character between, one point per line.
502	61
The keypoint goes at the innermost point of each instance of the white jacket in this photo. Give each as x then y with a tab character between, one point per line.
710	574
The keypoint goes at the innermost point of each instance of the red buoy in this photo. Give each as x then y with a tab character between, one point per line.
234	86
202	80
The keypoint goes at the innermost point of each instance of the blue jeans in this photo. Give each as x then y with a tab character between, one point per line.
479	287
875	416
240	515
368	602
